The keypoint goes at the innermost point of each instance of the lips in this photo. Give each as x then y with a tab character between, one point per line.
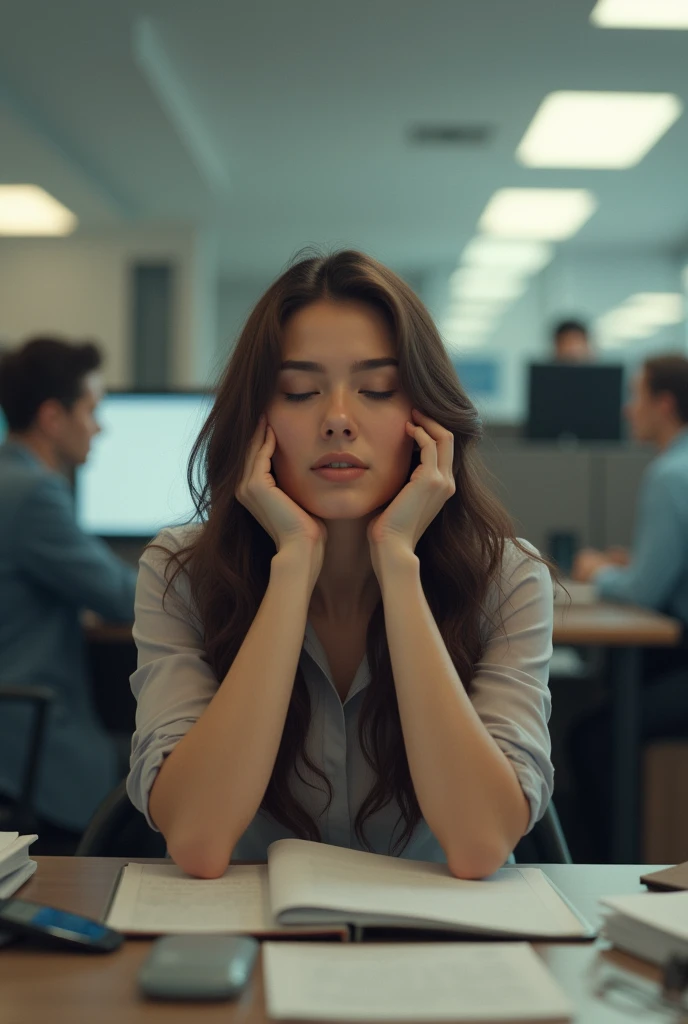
325	460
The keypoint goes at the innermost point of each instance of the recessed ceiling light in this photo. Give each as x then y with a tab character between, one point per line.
517	257
485	312
480	284
550	214
666	14
30	210
622	324
597	129
657	308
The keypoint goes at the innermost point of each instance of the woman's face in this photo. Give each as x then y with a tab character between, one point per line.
342	408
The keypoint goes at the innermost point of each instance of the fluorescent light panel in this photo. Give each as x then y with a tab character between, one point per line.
519	258
622	325
597	129
656	308
485	312
549	214
30	210
653	14
477	284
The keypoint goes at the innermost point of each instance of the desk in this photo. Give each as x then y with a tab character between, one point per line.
623	630
41	987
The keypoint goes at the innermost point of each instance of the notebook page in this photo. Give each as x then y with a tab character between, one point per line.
153	899
428	981
367	888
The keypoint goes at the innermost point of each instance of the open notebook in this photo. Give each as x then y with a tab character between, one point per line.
317	888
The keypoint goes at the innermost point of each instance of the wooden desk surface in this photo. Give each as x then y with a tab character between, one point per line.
39	987
614	625
603	624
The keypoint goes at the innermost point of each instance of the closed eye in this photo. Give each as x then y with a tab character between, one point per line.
302	396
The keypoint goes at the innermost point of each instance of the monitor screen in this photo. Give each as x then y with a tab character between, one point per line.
134	481
581	401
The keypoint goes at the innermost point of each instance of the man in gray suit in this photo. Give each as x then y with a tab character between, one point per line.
49	571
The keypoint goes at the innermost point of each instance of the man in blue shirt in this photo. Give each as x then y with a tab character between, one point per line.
653	575
49	571
656	573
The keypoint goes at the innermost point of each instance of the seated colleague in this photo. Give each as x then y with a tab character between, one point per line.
49	571
572	342
655	575
356	656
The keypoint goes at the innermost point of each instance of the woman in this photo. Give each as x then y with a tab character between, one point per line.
358	655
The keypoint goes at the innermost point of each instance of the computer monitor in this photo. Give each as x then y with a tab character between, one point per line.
134	481
577	401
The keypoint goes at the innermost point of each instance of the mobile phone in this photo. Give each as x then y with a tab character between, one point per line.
198	966
52	927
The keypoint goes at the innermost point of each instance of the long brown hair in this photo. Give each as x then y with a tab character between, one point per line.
228	560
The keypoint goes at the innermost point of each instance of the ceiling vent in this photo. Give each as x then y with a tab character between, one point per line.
450	134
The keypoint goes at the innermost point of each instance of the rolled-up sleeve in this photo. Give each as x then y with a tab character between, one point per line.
173	683
510	690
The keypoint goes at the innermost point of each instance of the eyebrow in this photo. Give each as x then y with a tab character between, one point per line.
361	364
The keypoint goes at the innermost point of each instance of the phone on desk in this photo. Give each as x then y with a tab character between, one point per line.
198	966
52	927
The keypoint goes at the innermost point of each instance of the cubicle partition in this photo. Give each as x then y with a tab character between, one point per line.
587	490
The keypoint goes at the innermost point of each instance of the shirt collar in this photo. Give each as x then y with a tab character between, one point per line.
315	649
679	440
21	451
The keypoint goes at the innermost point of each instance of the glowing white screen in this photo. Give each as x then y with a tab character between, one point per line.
134	481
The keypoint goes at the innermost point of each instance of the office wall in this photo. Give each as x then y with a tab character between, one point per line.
79	286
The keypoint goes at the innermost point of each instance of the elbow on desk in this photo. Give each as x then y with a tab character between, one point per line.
199	859
479	862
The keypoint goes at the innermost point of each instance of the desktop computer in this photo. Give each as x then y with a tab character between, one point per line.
574	402
134	482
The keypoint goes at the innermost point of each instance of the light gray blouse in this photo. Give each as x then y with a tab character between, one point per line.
174	684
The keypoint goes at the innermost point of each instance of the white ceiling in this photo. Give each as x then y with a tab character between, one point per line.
305	106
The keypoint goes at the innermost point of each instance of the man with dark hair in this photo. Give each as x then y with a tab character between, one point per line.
654	575
49	572
571	342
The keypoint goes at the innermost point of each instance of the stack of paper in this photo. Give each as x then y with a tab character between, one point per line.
16	867
653	926
410	982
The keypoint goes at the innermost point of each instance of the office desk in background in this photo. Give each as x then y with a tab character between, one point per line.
78	989
620	630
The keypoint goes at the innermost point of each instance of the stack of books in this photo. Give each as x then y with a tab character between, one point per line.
652	926
16	867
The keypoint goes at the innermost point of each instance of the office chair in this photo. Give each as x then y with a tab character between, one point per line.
21	816
117	829
545	843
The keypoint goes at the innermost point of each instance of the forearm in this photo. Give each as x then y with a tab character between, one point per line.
467	790
210	787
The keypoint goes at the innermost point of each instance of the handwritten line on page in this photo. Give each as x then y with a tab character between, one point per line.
414	982
156	898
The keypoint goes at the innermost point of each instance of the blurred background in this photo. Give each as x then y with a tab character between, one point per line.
519	162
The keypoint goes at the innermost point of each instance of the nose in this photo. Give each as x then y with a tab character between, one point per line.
338	420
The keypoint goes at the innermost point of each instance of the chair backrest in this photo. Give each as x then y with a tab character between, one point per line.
545	843
23	815
117	829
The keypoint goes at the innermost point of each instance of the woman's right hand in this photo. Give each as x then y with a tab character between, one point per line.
287	523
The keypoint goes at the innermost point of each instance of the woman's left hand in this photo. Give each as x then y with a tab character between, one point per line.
409	514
